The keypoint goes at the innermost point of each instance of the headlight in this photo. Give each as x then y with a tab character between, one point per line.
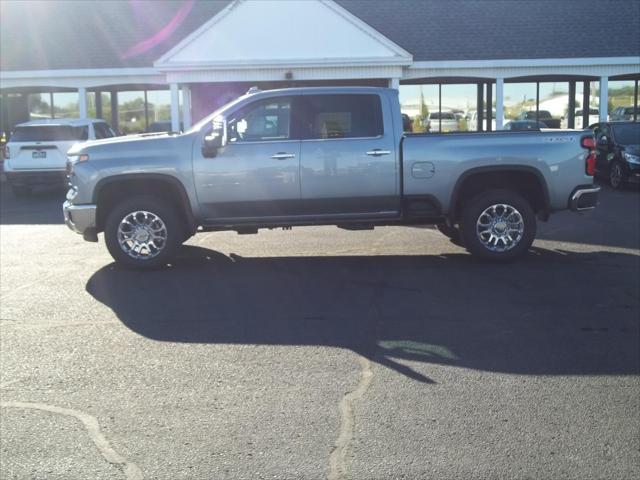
631	158
83	157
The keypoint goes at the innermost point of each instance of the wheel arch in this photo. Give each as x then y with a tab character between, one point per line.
479	179
109	189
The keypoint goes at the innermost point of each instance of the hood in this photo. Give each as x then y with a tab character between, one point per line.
128	143
632	149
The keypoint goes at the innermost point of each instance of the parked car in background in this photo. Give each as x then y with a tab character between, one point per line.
472	121
621	114
594	116
618	151
523	126
440	122
543	116
36	153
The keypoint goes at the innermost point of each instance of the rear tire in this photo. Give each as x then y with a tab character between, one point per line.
143	232
498	225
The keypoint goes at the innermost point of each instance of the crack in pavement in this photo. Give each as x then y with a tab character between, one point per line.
130	469
337	468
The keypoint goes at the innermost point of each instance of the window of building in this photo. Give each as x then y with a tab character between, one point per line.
39	106
622	100
553	103
459	101
341	116
417	101
159	105
131	112
65	105
519	99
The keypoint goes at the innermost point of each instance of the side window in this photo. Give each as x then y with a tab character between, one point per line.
261	121
340	116
102	130
83	133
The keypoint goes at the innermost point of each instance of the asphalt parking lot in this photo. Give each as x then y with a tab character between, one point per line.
319	353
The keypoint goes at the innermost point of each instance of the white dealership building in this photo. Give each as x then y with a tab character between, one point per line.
139	63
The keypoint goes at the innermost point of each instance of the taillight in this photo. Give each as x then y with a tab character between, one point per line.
589	143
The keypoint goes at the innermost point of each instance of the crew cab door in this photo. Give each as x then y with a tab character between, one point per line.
348	160
255	175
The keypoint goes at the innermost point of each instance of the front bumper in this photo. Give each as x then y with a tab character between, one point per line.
584	198
80	218
634	174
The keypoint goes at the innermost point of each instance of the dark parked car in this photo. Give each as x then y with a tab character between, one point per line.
618	156
543	116
523	126
621	114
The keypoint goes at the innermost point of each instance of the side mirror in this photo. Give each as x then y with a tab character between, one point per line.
211	145
214	140
603	141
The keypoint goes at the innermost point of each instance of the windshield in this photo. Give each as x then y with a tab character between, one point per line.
627	133
49	133
209	118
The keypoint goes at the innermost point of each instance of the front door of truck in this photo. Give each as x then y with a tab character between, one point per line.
256	175
348	160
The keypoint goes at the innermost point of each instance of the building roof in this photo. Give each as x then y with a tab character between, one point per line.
75	34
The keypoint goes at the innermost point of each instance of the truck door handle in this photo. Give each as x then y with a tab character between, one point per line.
376	152
283	155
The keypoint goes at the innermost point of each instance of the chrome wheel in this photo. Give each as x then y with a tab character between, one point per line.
500	227
142	235
615	175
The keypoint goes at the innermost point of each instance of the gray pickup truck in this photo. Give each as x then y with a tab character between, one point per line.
322	156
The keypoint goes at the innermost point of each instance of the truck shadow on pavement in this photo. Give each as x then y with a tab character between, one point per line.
553	313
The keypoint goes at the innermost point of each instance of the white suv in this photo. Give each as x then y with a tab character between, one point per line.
36	153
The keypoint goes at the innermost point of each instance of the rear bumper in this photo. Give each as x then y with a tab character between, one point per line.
36	177
80	218
584	198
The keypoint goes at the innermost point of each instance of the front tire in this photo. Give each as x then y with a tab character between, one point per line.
498	225
143	232
616	175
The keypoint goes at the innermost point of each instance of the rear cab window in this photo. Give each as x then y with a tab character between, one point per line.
49	133
339	116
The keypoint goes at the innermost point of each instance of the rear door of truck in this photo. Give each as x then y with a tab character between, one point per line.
348	163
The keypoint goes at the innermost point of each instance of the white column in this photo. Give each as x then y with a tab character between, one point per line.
394	83
499	103
82	102
186	107
604	98
175	108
